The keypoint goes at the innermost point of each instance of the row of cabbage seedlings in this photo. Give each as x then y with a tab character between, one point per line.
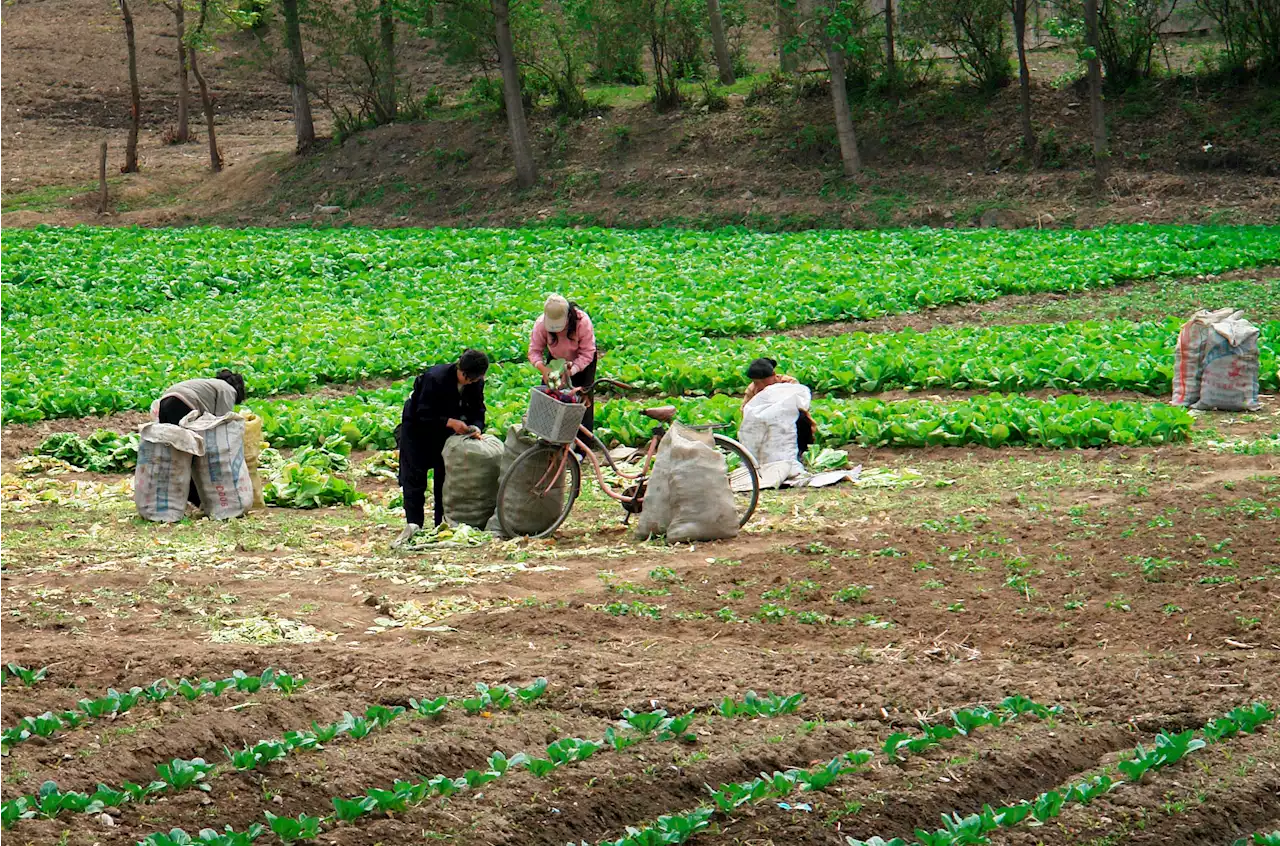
633	727
27	677
1168	750
193	774
1260	838
114	703
727	798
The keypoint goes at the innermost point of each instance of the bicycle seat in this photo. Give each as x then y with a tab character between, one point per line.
663	413
706	427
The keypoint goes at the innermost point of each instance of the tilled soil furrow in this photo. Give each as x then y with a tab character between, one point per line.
111	755
1217	795
608	794
1008	767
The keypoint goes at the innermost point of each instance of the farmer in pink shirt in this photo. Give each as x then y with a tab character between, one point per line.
564	332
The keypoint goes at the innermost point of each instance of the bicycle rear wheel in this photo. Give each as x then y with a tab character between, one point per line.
538	491
742	475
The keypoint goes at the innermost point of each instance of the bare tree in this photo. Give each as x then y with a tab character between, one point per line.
521	150
890	57
206	100
179	10
787	60
724	62
828	22
387	34
844	117
135	95
1024	77
304	127
1101	155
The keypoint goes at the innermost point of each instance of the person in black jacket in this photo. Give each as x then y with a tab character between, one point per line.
447	399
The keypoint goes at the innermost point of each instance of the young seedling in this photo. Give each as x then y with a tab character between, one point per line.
294	829
646	722
533	692
184	775
348	810
28	678
429	707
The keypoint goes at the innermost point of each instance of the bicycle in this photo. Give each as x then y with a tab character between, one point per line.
552	459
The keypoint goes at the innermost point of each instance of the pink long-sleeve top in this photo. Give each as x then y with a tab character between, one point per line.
579	350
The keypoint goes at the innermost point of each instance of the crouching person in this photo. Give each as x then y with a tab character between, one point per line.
447	399
218	396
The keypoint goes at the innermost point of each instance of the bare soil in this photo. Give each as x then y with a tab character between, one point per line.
1149	604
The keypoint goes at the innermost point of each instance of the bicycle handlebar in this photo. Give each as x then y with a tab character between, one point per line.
614	382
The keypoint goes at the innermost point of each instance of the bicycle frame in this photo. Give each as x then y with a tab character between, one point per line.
639	478
584	442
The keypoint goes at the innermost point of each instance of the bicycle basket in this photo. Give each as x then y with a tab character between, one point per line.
552	420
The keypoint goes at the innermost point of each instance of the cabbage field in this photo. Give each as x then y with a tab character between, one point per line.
1043	612
100	321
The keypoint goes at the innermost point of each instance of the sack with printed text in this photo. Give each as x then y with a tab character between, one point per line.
221	474
1229	372
163	475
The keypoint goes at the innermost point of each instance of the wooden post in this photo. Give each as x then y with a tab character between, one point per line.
102	178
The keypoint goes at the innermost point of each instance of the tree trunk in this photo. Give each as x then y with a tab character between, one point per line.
890	53
135	96
1101	155
102	178
387	32
206	102
788	61
844	118
723	60
1024	77
184	84
521	150
303	126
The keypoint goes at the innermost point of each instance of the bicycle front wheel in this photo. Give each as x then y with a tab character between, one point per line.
538	491
743	477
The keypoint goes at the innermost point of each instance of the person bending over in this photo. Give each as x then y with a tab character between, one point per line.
447	399
763	372
563	332
217	396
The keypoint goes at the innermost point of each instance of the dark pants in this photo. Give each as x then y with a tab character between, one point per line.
172	410
804	434
418	455
584	380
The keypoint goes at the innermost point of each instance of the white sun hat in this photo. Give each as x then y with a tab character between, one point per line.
555	313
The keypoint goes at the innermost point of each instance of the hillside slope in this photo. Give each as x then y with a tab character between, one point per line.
1187	150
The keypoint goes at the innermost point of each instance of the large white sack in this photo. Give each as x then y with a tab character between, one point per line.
768	431
688	496
221	474
1229	375
471	470
1189	353
163	475
526	515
